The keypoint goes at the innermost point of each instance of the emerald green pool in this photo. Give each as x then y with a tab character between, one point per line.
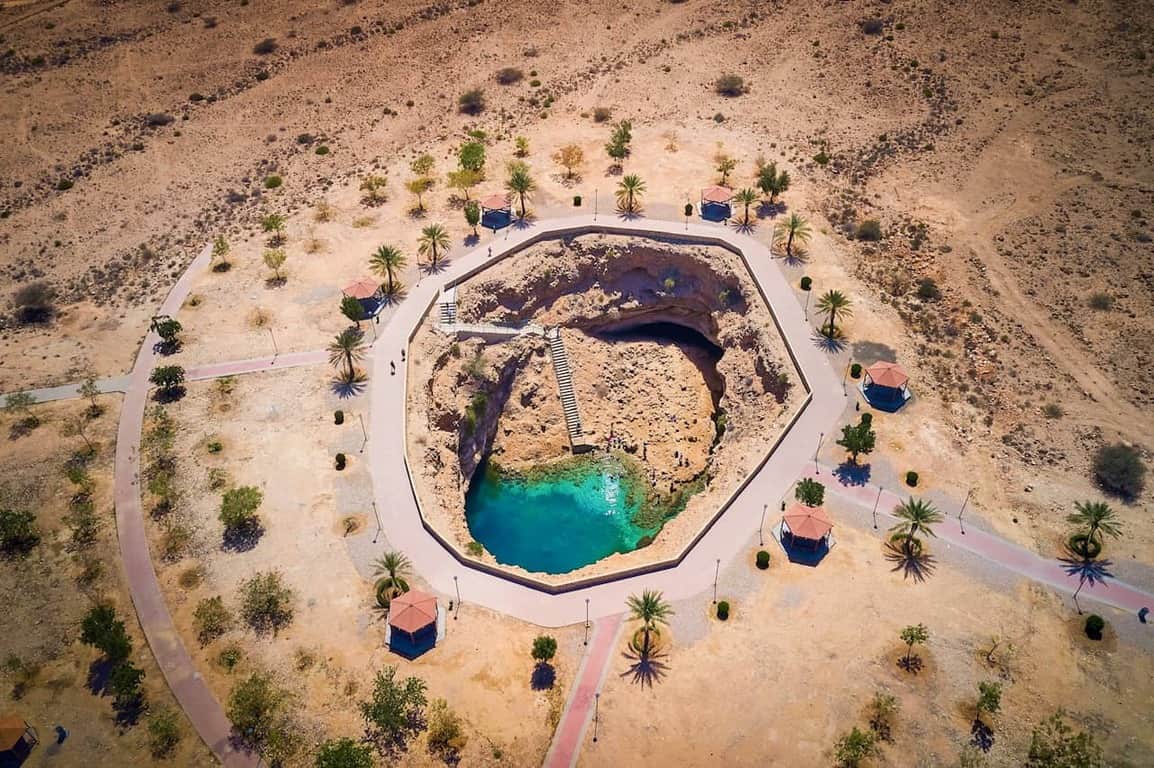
558	519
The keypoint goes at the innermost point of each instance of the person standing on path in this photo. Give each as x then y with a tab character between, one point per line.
392	368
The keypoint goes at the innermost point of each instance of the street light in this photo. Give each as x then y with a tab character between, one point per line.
275	350
963	510
876	501
586	621
716	573
816	467
377	515
596	713
760	539
457	586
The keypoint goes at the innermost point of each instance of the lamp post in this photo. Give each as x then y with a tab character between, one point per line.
596	713
716	573
761	525
963	510
875	512
586	621
457	587
363	432
816	466
845	378
275	349
377	515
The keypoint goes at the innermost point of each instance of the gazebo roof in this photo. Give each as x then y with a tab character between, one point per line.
716	195
12	730
364	288
886	374
808	522
412	611
495	202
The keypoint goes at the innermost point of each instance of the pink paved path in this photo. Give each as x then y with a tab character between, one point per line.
255	365
993	548
578	712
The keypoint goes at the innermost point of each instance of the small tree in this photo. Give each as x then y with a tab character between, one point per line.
352	308
1118	468
989	697
725	166
544	649
257	709
914	634
915	517
520	183
464	180
729	85
472	102
522	146
104	632
473	215
343	753
91	390
569	157
393	714
433	243
219	258
375	189
792	229
19	404
745	197
274	223
770	182
266	603
857	439
238	508
417	188
851	749
446	735
168	378
809	492
629	192
163	732
126	684
211	619
19	533
168	329
274	259
386	262
838	306
1054	744
471	156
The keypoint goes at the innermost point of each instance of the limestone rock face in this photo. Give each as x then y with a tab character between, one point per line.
675	361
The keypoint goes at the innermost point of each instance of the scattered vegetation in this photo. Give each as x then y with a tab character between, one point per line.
34	303
1118	468
472	102
266	602
730	85
211	619
1054	744
509	75
394	713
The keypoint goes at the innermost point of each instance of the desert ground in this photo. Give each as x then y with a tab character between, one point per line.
1003	150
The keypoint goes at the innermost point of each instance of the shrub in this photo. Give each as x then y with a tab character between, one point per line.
262	75
602	114
928	289
762	559
158	119
230	656
729	85
855	370
272	182
266	603
446	736
1101	301
64	185
256	708
19	533
821	158
688	210
475	548
103	631
214	446
395	710
871	26
163	732
472	102
576	201
1054	743
723	611
34	302
1095	624
126	685
322	150
1052	411
1118	468
809	492
344	753
509	75
870	229
211	619
265	47
341	461
806	283
850	750
238	507
338	417
911	478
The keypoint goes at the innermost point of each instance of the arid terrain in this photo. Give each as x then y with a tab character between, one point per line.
979	181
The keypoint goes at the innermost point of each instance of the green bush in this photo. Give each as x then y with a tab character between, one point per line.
855	370
509	75
472	102
64	185
163	732
723	611
341	461
19	533
1118	468
762	559
544	648
272	182
911	478
928	289
729	85
475	548
1095	624
338	417
806	283
576	201
322	150
867	419
869	230
266	603
238	507
602	114
211	619
265	47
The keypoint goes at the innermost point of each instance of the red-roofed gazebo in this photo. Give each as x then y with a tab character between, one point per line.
362	288
412	623
496	211
715	203
886	385
810	525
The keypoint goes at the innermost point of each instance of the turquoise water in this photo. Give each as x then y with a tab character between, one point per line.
555	522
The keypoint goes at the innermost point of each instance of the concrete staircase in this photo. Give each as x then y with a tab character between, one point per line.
565	386
447	307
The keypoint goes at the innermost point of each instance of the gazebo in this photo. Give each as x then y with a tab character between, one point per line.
806	534
17	738
412	623
496	212
368	292
715	203
885	386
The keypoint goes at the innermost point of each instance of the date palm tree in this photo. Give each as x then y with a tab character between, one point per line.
392	567
520	183
346	350
1097	518
629	192
433	242
795	228
915	517
385	262
651	610
837	304
746	197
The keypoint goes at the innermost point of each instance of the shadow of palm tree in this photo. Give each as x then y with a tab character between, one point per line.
981	735
911	663
647	668
746	227
767	210
833	345
798	258
344	388
1087	570
429	268
917	565
524	222
627	215
396	297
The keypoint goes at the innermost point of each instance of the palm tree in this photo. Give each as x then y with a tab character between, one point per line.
651	610
793	228
385	262
393	567
746	197
520	183
629	192
347	349
838	305
915	517
1097	518
434	239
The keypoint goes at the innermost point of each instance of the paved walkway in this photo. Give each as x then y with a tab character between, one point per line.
570	733
997	550
72	391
